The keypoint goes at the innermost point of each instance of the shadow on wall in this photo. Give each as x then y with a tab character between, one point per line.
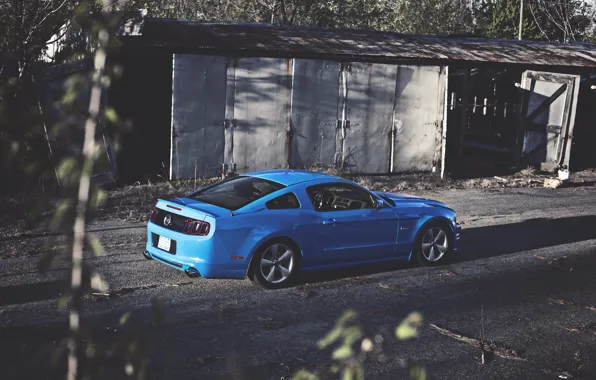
258	97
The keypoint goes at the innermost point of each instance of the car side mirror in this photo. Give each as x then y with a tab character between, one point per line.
380	204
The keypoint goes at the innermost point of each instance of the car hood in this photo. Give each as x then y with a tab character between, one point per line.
401	199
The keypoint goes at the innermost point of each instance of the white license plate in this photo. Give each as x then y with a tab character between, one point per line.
164	243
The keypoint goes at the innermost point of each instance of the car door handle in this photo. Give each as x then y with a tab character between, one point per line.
330	222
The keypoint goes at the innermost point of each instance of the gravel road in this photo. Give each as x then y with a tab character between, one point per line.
524	281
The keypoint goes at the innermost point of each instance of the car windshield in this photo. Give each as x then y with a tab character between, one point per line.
236	192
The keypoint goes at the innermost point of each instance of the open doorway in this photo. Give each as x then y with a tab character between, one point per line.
143	97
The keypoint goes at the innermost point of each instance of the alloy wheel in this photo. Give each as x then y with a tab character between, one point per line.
277	263
434	244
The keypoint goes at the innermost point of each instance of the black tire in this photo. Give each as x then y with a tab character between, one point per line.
431	253
285	270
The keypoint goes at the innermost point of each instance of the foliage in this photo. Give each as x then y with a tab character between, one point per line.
407	16
552	20
564	20
433	17
555	20
353	347
500	19
82	112
25	27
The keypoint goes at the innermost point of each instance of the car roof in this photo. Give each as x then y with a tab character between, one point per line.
288	177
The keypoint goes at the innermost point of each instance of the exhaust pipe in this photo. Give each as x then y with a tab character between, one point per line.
192	272
147	255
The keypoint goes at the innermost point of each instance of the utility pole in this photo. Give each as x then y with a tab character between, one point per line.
521	19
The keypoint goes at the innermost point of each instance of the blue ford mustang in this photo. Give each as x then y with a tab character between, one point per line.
271	225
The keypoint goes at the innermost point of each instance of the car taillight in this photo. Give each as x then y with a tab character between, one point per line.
196	227
154	215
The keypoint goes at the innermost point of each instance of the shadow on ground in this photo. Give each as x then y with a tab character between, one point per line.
484	242
491	241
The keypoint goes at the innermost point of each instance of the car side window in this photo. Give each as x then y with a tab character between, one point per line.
283	202
338	197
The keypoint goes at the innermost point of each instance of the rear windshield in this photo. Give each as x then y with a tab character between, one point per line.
236	192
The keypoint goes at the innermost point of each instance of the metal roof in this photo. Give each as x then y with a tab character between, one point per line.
267	39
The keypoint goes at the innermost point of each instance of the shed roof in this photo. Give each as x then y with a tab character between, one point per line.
267	39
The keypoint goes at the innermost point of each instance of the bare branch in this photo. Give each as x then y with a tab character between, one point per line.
532	11
50	13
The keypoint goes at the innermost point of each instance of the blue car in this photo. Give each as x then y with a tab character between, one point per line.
272	225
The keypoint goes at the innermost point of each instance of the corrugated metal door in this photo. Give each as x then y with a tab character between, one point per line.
369	110
315	96
548	108
418	118
262	113
198	109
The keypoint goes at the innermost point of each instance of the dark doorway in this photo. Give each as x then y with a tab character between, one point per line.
143	97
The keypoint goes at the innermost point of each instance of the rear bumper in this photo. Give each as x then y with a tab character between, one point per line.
194	255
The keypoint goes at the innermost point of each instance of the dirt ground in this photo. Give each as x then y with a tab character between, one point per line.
518	302
29	216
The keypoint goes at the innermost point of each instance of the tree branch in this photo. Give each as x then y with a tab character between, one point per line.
89	149
532	11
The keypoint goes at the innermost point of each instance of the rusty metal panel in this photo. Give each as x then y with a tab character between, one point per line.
369	109
418	118
198	112
549	104
262	109
325	43
314	113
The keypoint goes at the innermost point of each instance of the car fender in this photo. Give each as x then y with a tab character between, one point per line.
431	220
262	242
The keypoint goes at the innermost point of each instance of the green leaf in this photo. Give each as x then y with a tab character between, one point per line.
66	168
124	318
359	373
98	283
338	330
64	300
408	329
352	334
347	316
331	337
348	373
129	369
111	115
417	373
94	245
99	198
304	375
342	353
59	214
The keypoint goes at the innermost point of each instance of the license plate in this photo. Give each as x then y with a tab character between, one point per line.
164	243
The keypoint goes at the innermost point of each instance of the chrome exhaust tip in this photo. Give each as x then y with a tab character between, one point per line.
147	255
192	272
